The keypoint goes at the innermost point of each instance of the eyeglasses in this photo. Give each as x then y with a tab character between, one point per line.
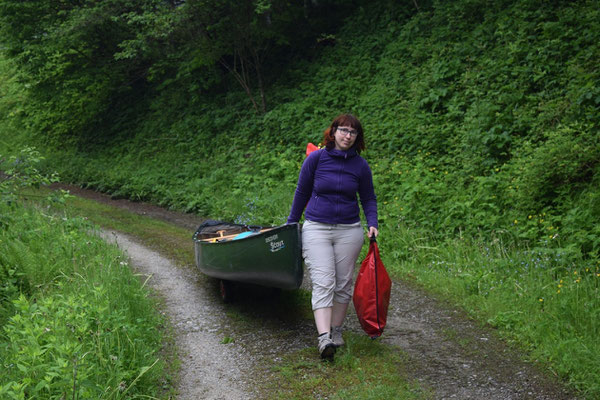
346	131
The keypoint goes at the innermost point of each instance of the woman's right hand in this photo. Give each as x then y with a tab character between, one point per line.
373	232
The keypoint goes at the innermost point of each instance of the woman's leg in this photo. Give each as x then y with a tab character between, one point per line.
317	249
323	319
347	245
338	313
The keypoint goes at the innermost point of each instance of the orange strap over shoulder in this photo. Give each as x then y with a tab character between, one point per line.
310	148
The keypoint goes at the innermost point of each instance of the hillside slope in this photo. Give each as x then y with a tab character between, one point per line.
478	119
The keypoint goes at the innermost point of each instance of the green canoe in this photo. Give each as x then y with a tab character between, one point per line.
268	256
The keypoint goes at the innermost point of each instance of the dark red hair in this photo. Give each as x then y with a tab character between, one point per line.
344	120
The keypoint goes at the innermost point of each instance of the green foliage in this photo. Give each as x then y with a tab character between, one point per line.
468	110
20	172
82	61
481	118
75	320
546	300
65	54
12	99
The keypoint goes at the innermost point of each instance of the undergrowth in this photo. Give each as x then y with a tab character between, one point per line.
76	321
545	301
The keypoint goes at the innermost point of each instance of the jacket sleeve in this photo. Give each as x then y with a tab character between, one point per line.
368	200
305	186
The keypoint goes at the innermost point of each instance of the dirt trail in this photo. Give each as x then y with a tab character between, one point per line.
450	354
209	368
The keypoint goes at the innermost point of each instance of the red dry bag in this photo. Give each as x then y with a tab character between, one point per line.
372	293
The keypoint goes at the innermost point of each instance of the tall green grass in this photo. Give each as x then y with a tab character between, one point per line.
76	322
546	301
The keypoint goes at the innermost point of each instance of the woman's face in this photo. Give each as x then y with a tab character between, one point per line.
345	136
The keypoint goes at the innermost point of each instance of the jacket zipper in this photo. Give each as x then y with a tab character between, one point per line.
339	186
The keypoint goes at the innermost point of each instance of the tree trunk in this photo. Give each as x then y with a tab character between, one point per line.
261	88
242	78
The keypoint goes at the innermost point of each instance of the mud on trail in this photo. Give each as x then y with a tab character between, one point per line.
450	354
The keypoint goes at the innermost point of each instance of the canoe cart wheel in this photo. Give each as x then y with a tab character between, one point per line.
226	290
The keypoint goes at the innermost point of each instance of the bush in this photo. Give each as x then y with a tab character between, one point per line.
75	320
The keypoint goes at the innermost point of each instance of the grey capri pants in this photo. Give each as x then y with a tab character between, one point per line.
330	252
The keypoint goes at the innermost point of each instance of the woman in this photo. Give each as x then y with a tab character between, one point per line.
332	235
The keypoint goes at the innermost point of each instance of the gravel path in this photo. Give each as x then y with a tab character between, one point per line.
209	369
450	354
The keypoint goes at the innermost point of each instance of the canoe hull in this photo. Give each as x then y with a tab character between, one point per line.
272	258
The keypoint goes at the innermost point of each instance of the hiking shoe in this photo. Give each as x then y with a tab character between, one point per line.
336	336
326	347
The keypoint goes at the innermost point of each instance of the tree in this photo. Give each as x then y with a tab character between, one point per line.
239	35
66	53
86	62
242	37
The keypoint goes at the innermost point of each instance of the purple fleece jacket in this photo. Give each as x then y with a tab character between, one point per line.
327	187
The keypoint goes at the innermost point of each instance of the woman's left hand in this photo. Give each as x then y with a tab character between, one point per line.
373	232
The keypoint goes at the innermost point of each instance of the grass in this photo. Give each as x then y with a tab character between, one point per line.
545	301
172	241
76	321
363	369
